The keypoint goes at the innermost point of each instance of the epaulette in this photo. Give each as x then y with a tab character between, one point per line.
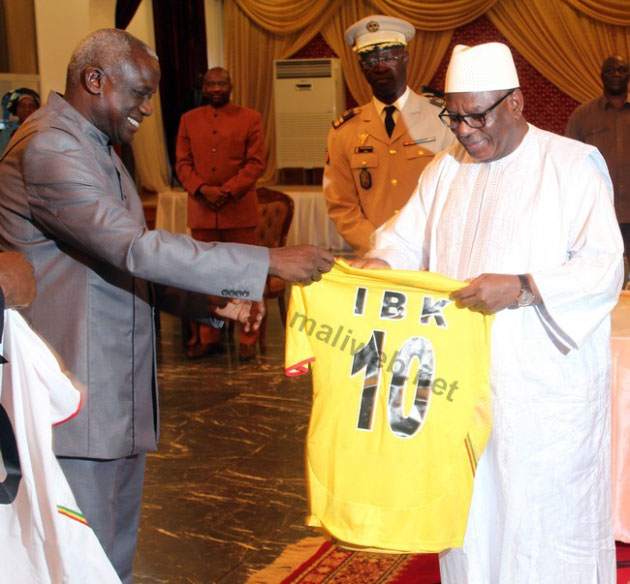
435	100
345	116
435	96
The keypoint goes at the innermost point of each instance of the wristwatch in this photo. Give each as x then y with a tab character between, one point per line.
526	296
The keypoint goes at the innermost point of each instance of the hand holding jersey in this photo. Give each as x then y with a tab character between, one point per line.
401	405
488	293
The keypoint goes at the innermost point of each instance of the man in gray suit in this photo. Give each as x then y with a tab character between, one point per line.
69	205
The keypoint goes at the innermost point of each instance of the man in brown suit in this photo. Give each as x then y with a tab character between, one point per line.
604	122
376	152
220	155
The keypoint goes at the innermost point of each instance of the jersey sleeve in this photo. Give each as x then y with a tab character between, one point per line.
298	350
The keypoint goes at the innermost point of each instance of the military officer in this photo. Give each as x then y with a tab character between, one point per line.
376	152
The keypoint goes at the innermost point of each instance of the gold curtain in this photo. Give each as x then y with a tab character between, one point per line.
287	16
566	40
566	46
258	31
250	51
21	42
333	30
434	15
425	50
615	12
149	145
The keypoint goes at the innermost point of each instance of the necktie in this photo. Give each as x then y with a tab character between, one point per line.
389	119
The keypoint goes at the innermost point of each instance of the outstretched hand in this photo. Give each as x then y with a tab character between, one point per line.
301	263
249	314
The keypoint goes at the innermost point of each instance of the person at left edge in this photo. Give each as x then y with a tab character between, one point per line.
220	156
68	204
373	163
20	103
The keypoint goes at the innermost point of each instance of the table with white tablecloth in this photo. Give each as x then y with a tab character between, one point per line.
310	218
311	223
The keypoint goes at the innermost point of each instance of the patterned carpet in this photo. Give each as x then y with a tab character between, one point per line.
316	561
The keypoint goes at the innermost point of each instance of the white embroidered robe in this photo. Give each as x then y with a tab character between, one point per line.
540	512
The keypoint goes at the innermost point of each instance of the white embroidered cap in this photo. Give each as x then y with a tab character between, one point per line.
485	67
378	30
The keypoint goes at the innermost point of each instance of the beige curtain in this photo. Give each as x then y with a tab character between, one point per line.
615	12
149	144
566	40
287	16
250	51
258	31
434	15
565	45
20	30
426	50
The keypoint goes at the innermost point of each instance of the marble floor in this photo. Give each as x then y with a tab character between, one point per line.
225	493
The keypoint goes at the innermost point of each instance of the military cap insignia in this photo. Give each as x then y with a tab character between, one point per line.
372	26
345	116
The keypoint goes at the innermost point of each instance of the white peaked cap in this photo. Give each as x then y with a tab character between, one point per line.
485	67
378	30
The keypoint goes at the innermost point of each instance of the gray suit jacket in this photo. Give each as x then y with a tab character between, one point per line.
69	205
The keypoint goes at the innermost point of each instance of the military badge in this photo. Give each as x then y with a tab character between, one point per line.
365	179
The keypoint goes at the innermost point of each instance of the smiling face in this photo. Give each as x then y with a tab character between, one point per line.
504	129
217	87
386	72
124	96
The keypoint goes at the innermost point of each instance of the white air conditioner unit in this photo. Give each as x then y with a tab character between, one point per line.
309	95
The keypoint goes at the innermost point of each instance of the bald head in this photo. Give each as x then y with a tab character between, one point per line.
109	49
219	71
111	79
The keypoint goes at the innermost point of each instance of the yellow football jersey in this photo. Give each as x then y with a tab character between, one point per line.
401	405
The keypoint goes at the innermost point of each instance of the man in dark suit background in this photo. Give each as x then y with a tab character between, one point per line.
68	204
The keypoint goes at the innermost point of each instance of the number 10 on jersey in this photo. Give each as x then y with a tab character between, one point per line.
369	360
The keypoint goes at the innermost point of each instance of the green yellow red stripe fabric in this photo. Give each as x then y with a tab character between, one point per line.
76	515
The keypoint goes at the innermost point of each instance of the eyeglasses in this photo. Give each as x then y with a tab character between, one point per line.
373	61
452	121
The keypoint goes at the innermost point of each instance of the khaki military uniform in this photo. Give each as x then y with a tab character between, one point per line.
369	176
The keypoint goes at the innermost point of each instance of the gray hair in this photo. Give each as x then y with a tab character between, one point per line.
109	49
